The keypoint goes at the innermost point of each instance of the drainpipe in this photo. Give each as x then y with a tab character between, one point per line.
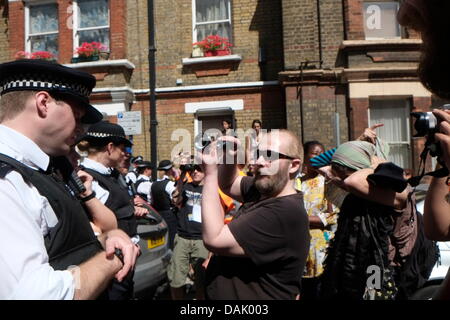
152	83
319	31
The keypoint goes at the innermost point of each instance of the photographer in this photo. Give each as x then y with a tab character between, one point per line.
261	252
437	207
430	18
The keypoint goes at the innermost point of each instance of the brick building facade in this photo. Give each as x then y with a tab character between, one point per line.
325	69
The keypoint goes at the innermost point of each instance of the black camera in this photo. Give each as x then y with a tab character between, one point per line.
426	124
201	142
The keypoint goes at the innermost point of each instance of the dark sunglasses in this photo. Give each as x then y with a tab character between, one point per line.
271	155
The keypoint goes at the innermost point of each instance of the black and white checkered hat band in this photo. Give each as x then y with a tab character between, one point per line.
102	135
43	85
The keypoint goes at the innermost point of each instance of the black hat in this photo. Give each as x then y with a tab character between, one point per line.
388	175
101	133
136	159
144	164
165	165
41	75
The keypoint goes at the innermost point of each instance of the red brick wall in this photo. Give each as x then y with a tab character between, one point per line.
354	19
118	28
16	23
358	116
65	37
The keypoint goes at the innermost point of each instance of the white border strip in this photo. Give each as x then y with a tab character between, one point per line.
103	63
191	88
193	107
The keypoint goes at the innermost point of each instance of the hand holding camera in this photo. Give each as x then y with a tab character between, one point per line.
427	124
443	135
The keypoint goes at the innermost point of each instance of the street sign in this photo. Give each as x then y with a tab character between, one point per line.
131	121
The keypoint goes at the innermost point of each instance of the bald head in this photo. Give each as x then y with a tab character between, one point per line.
283	141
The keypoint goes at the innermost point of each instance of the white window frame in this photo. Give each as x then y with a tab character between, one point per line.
75	17
407	142
195	24
28	36
383	38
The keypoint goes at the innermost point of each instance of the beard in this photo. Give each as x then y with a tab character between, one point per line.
271	185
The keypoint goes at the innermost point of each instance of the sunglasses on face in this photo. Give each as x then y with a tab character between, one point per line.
269	155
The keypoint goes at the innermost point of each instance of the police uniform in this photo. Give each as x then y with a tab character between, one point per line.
112	193
161	191
143	183
43	228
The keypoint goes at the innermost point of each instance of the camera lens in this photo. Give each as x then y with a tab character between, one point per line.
425	123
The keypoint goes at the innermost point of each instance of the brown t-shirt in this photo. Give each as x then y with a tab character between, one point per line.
274	234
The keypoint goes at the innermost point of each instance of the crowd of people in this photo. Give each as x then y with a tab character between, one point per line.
292	222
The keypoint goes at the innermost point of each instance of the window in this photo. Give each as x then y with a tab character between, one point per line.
211	17
394	114
380	20
41	28
91	21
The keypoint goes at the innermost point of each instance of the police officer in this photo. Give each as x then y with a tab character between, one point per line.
43	228
106	143
162	198
144	181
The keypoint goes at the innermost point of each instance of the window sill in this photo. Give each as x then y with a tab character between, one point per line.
212	66
103	63
367	44
201	60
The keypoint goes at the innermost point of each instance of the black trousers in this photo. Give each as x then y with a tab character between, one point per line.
310	289
122	290
172	224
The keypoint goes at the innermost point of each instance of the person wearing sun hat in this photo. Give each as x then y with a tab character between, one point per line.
42	107
105	143
365	226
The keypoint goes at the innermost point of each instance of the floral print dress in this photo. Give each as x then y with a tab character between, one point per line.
316	205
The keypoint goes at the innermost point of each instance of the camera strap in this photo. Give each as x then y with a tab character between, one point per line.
440	173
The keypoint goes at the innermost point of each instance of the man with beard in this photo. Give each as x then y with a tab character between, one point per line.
430	18
261	253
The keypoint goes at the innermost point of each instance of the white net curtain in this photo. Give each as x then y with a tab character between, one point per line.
44	20
212	18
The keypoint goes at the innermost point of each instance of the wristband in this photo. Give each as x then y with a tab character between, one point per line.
89	197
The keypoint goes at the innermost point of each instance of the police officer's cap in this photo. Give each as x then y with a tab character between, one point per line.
102	133
144	164
165	165
41	75
136	159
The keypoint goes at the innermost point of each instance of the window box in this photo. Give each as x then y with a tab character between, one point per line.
224	52
84	59
213	65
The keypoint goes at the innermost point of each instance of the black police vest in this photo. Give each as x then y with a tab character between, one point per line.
119	201
136	185
71	241
161	200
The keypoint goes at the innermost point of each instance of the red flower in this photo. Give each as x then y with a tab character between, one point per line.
213	43
41	55
89	49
